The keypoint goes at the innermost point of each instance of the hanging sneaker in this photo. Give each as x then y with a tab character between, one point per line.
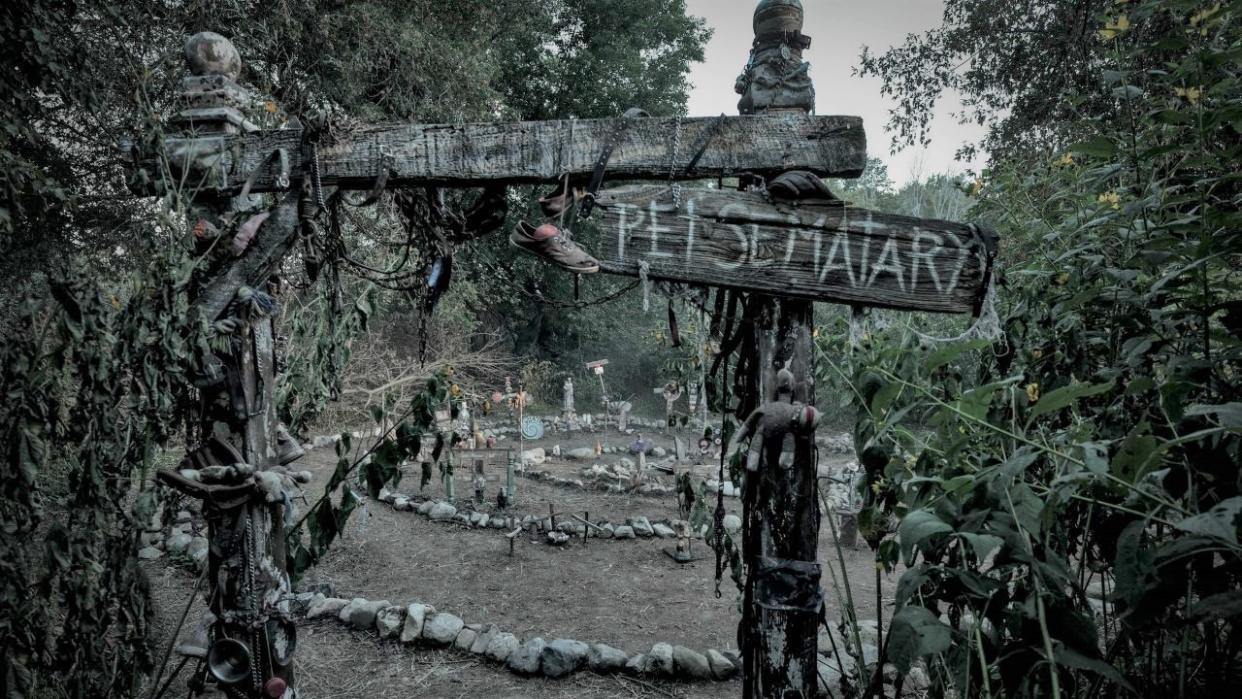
287	448
553	244
800	185
559	201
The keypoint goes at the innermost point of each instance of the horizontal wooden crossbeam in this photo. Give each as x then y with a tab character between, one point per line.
522	152
830	253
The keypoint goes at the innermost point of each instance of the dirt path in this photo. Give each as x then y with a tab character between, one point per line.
628	594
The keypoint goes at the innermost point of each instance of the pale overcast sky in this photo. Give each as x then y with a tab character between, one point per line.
839	29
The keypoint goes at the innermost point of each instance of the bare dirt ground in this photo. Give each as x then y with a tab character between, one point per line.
626	593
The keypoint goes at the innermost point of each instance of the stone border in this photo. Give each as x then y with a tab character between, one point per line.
634	527
421	625
418	624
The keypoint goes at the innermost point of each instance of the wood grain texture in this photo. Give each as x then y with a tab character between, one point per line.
276	237
542	151
823	253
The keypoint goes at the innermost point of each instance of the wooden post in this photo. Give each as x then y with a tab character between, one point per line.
780	507
246	576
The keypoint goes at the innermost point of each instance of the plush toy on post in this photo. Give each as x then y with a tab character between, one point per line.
772	422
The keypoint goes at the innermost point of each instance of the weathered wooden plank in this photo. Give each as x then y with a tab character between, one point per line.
531	152
826	253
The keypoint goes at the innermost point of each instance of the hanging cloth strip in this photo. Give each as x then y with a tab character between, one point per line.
605	155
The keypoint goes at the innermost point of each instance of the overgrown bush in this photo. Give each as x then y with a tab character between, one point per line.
1069	516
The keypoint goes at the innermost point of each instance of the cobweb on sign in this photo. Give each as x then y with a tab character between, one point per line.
987	325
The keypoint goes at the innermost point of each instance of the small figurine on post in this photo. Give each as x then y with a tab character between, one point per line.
771	422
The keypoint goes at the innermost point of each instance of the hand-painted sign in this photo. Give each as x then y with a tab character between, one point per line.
823	252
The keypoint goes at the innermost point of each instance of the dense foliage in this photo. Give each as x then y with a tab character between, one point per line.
99	336
1065	500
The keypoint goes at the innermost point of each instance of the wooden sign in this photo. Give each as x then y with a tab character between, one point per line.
837	253
514	153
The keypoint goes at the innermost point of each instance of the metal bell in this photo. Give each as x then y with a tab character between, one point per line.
228	661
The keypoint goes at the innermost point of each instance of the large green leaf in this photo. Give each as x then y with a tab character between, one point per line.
1066	396
915	633
1219	523
916	527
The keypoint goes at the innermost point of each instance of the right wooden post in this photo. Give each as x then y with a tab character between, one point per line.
778	633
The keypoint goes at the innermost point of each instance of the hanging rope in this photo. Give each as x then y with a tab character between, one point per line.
644	269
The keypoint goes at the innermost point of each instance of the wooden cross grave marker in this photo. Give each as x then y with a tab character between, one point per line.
743	240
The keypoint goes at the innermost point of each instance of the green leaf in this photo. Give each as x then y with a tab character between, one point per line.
947	354
1071	658
1229	415
1066	395
1095	457
915	528
884	398
983	544
915	633
1218	523
1099	147
1223	605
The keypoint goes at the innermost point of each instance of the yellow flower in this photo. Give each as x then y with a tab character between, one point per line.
1066	160
1203	15
1032	392
1115	27
116	303
1113	199
455	390
1190	94
1063	279
975	187
269	107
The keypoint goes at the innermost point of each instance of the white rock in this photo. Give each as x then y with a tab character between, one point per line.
534	457
663	531
623	532
722	668
482	638
732	524
363	616
149	553
660	660
604	658
424	508
691	664
641	526
178	543
198	549
388	621
326	606
525	660
563	657
502	645
401	503
348	610
415	618
442	629
465	639
636	665
581	453
442	511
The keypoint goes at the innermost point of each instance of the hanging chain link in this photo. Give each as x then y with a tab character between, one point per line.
672	164
315	173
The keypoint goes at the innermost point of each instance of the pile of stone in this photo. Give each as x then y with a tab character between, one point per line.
181	541
419	624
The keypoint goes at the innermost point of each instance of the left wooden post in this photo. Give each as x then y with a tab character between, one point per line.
250	632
